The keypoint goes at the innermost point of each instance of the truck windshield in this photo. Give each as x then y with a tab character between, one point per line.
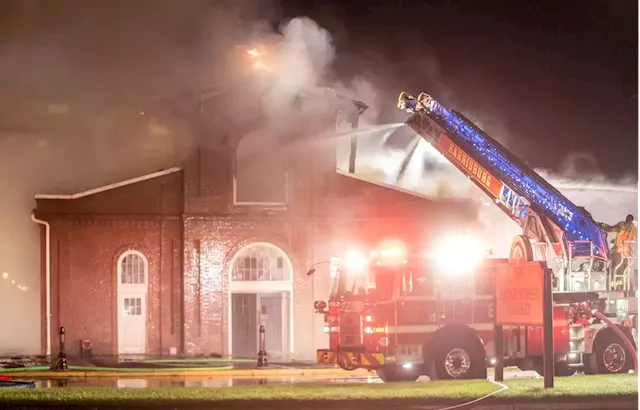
379	285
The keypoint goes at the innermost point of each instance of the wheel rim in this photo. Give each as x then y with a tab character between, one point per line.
614	357
457	363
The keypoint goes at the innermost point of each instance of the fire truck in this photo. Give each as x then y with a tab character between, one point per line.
407	312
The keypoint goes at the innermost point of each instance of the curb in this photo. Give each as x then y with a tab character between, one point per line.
57	374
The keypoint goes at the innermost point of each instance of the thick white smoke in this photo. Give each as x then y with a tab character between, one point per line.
97	99
431	174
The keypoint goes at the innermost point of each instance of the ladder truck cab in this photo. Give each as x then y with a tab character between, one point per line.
406	314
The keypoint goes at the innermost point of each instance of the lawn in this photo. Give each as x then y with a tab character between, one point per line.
613	386
336	396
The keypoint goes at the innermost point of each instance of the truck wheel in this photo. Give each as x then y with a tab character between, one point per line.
458	360
390	373
610	355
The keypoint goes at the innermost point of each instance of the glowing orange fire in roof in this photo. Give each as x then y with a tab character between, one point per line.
258	61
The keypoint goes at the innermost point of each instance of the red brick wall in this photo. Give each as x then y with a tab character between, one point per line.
84	253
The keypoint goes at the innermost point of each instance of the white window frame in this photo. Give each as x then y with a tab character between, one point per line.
269	204
133	287
260	287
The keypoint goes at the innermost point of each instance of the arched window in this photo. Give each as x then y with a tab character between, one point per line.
261	262
132	268
260	171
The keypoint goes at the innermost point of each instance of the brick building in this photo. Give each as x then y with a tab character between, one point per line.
192	259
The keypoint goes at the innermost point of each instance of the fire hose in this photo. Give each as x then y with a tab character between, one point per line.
474	402
624	338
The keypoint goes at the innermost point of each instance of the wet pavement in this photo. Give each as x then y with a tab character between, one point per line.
228	382
145	363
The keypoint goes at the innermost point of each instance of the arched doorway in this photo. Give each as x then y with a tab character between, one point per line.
260	293
133	276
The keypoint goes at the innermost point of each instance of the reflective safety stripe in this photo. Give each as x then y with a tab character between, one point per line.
326	356
369	360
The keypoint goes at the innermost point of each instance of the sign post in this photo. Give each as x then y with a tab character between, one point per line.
498	372
524	298
547	330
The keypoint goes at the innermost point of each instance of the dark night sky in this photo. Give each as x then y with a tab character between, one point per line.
552	78
561	75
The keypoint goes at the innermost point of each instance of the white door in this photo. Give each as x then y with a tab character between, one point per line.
271	315
132	323
133	271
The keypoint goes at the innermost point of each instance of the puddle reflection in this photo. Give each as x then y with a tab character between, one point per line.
192	382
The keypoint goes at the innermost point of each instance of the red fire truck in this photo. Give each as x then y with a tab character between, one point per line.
434	315
405	314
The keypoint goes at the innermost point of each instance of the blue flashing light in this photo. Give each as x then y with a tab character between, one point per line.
543	197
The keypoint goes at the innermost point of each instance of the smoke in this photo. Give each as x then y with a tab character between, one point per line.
295	94
92	96
608	200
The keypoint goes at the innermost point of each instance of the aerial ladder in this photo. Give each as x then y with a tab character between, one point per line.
550	223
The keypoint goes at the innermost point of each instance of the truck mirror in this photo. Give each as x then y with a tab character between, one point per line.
319	305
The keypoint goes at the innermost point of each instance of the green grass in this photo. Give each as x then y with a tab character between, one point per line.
308	395
578	386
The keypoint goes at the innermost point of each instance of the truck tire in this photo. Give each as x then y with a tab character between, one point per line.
458	359
610	355
390	373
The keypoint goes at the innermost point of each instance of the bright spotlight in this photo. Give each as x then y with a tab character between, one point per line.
457	255
355	261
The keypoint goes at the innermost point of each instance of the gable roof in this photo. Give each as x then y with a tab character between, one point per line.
385	185
111	186
177	169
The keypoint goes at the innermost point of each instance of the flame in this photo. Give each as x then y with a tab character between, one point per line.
258	64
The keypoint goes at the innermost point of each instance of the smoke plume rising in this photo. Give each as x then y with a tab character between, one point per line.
608	200
92	96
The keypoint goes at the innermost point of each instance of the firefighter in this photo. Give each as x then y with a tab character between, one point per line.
625	231
407	103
